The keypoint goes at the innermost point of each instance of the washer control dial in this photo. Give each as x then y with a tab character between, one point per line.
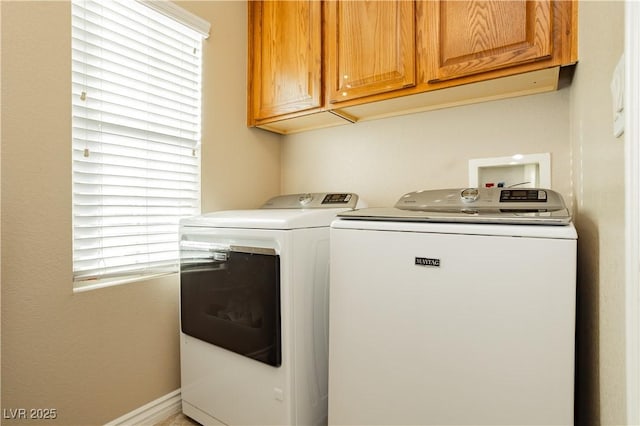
469	195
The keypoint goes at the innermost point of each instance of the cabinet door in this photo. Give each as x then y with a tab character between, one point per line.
284	57
470	37
370	47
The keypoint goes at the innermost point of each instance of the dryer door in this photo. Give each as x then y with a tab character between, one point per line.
230	297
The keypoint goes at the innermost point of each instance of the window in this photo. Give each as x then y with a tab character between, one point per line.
136	78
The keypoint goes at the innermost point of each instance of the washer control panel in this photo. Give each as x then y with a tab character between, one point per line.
482	199
313	200
523	195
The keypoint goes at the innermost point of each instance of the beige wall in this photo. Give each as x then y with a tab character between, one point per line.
97	355
598	168
380	160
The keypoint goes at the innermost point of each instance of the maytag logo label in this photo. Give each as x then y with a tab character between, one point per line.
427	261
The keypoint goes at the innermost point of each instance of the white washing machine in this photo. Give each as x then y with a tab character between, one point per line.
456	307
254	314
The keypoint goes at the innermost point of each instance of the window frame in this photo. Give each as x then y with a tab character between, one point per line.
201	27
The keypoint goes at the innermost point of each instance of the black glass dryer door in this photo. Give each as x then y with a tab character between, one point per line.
230	297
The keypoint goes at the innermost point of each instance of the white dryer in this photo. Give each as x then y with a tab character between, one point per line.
254	311
456	307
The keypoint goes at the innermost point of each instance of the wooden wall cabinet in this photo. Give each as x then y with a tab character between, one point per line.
370	48
316	64
285	50
470	37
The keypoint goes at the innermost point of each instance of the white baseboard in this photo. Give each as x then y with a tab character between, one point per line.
153	412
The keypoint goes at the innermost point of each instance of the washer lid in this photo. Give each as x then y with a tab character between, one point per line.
567	232
535	206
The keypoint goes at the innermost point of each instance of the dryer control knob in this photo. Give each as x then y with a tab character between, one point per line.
469	195
305	199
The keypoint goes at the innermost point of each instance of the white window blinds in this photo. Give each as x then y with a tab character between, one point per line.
136	77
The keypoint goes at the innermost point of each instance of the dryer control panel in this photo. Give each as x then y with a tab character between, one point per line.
313	200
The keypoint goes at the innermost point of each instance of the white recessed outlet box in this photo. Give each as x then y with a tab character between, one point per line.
519	170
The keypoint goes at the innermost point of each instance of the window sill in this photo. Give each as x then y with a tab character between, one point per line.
90	285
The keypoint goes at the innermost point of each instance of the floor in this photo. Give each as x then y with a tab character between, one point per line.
178	420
